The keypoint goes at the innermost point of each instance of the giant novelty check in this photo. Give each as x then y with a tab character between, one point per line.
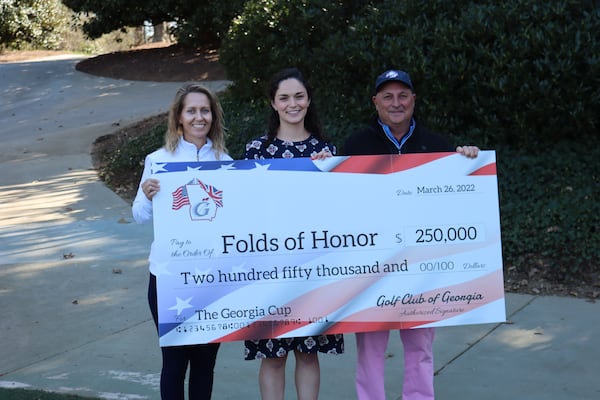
295	247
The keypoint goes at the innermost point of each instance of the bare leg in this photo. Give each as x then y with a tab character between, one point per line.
271	378
308	376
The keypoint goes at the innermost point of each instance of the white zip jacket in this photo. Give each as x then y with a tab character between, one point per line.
185	151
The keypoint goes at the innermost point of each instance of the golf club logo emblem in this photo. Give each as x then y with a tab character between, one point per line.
202	200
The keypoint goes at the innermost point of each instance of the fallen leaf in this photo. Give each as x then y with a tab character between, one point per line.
524	282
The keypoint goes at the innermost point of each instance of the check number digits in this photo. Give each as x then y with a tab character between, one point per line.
220	326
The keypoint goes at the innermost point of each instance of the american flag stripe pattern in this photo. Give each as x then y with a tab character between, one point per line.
381	164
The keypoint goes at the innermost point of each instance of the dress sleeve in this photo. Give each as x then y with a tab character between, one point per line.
332	148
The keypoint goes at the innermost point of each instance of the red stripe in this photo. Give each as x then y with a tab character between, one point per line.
339	327
177	204
260	331
346	327
387	163
489	169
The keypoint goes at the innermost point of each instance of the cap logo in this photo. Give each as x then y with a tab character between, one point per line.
391	74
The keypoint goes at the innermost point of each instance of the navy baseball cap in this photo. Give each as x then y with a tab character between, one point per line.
393	75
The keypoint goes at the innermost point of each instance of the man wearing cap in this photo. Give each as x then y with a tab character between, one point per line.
395	131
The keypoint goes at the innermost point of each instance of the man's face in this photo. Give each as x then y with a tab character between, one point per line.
395	104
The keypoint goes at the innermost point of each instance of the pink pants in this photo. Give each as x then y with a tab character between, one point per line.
418	364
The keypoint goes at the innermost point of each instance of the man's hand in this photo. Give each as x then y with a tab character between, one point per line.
468	151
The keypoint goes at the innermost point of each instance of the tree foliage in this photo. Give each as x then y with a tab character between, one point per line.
203	23
271	34
32	23
196	23
104	16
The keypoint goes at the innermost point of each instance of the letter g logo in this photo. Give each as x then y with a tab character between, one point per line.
202	209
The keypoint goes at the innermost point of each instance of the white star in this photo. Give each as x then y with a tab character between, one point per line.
161	268
261	167
227	166
193	168
158	167
181	305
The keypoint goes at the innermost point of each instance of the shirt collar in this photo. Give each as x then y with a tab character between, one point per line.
388	133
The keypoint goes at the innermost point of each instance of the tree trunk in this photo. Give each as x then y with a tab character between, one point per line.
159	33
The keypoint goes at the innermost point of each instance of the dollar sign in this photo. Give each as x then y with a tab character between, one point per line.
398	238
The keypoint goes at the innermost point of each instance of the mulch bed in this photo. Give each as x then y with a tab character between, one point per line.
158	64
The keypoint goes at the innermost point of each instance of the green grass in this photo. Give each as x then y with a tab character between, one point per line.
26	394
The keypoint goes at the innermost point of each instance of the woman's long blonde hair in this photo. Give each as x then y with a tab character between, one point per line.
217	129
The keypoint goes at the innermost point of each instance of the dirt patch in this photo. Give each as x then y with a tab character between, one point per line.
124	185
157	63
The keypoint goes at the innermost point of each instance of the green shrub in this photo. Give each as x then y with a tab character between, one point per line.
204	25
33	24
128	158
517	72
270	35
244	121
549	210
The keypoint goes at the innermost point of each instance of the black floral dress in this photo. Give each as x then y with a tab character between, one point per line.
262	148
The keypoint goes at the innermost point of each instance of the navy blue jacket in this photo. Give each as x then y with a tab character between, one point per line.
372	140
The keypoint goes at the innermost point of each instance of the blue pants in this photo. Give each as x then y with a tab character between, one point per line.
201	359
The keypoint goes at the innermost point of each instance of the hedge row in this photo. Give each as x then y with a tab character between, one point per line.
549	212
517	72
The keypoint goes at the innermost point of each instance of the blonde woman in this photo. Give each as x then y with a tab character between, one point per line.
195	132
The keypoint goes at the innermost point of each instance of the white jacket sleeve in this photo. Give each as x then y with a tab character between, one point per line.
142	207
